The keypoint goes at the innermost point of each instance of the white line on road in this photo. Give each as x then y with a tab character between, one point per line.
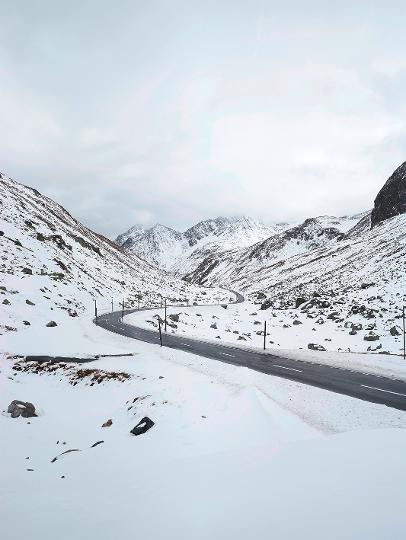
186	344
382	390
226	354
289	368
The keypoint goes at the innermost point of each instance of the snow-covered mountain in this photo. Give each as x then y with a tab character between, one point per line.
53	268
175	251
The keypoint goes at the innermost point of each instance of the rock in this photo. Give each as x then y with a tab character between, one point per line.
367	285
6	302
214	326
356	326
300	301
51	324
261	296
143	425
315	347
27	323
27	271
395	331
225	306
353	332
241	338
29	303
107	423
333	315
371	337
296	322
174	317
265	305
21	408
391	200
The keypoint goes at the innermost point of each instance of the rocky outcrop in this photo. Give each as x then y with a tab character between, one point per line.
391	200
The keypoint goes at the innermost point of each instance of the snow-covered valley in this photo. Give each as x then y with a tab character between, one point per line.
229	452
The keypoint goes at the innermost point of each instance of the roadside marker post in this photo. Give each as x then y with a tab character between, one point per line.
404	333
165	314
112	306
122	310
264	335
95	310
160	331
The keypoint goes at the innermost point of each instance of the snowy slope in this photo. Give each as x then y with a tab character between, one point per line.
222	433
52	267
171	250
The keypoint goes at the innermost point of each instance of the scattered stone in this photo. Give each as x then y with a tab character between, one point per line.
108	423
267	304
300	301
296	322
51	324
6	302
214	326
371	337
353	332
27	271
143	426
315	347
174	317
241	338
27	323
21	408
395	331
29	303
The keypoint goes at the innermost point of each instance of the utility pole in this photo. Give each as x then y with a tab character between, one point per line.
138	302
264	335
112	306
95	309
122	310
160	332
165	314
404	333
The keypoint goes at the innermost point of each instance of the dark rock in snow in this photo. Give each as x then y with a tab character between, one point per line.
27	271
395	331
21	408
391	200
315	347
51	324
300	301
371	337
108	423
143	425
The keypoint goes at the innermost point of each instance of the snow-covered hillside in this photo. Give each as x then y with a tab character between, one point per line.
181	252
53	268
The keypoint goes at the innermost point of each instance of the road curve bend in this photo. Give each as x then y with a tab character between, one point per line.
372	388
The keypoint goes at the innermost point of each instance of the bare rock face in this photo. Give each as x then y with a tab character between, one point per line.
21	408
391	200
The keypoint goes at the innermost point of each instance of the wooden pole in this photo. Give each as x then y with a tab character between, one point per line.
95	309
122	310
160	332
112	305
404	333
165	314
264	335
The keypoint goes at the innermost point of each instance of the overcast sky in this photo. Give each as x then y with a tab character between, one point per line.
175	111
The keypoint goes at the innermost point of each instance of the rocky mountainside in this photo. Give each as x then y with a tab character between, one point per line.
53	268
391	200
178	252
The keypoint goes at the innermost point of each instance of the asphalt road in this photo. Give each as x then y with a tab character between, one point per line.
373	388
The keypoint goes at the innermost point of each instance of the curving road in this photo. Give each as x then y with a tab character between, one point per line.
373	388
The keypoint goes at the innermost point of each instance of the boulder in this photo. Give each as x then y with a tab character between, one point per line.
391	200
174	317
371	337
265	305
107	423
143	425
395	331
315	347
296	322
27	271
51	324
300	301
21	408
